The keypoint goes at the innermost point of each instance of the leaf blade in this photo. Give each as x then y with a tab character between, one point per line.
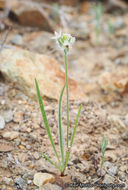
61	136
46	121
72	138
76	122
51	162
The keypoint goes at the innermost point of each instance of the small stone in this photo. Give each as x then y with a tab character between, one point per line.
108	179
119	23
101	172
7	181
19	182
123	168
43	178
122	176
8	116
49	186
17	40
125	135
28	147
26	175
9	188
18	117
28	130
4	164
107	165
21	147
36	126
31	166
36	155
29	182
117	123
2	122
113	170
10	135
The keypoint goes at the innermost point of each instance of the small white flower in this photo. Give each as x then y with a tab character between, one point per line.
64	41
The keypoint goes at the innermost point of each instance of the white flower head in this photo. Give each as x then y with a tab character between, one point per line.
64	41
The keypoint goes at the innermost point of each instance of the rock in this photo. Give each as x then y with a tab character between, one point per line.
117	123
17	40
7	181
119	23
116	5
108	179
2	122
107	165
28	147
49	186
123	168
18	117
5	147
31	14
2	4
10	135
43	178
8	116
113	170
22	67
115	81
43	165
122	176
36	155
39	42
19	182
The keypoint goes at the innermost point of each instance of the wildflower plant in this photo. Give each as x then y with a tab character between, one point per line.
65	42
103	146
111	28
98	11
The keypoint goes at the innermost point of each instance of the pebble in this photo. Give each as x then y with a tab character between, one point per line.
122	176
119	23
50	186
9	188
113	170
2	122
17	40
36	155
28	130
101	172
29	182
10	135
43	178
123	168
108	179
28	147
7	181
8	116
18	117
19	182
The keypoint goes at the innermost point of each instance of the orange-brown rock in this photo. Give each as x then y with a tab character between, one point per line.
22	67
116	81
28	13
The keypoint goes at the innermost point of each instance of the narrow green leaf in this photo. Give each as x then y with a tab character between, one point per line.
50	161
72	138
61	136
46	121
74	130
66	159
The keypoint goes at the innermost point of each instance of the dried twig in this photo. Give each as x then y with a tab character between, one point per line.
4	40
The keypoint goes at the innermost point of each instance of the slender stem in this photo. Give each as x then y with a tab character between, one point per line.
66	78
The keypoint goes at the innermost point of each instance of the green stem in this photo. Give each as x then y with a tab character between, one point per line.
102	162
66	78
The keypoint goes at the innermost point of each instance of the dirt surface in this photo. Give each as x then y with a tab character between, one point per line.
99	68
